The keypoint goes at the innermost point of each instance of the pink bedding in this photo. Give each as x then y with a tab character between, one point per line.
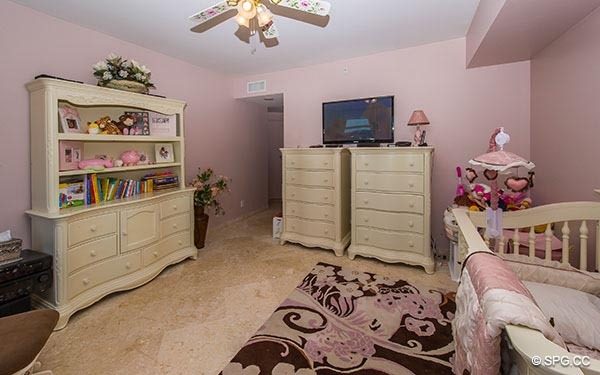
489	298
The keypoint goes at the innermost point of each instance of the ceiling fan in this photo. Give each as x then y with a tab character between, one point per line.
253	13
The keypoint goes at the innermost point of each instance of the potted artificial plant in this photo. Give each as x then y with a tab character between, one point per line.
208	188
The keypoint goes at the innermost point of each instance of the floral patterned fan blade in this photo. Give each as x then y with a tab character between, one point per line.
270	31
318	7
212	12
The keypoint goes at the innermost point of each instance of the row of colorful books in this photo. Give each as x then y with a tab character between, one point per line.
90	189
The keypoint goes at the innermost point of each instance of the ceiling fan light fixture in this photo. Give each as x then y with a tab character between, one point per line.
264	15
242	21
247	9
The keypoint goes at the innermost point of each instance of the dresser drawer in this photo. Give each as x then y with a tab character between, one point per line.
410	183
309	161
324	196
165	247
90	228
91	252
102	272
174	224
175	206
390	163
390	220
310	228
390	202
309	211
310	178
390	240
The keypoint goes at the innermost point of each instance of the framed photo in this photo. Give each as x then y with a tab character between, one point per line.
71	153
69	119
164	153
163	125
141	125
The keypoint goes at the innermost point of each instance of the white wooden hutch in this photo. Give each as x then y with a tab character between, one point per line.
114	245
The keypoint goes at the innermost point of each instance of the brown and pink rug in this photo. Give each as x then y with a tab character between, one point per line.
340	320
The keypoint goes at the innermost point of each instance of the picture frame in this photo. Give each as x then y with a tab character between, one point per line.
69	119
163	125
163	153
70	154
141	126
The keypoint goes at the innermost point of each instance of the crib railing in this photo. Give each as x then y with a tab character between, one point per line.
570	222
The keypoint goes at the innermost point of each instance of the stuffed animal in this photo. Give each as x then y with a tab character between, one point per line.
107	126
130	158
125	124
95	164
93	128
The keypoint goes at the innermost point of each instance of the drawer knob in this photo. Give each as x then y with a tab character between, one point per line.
293	227
366	219
411	224
93	228
325	215
85	281
293	163
366	238
411	244
366	182
293	211
325	198
366	164
411	185
325	163
180	242
411	164
293	195
326	231
293	178
325	181
155	254
174	207
128	265
174	225
411	204
366	201
93	253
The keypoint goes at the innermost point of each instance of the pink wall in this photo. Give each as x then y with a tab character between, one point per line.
565	114
464	106
224	133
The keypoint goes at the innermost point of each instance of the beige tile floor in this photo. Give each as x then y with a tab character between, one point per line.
195	316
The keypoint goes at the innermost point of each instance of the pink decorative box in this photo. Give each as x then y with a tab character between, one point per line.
70	154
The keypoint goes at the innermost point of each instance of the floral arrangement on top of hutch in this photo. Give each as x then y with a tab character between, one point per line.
112	209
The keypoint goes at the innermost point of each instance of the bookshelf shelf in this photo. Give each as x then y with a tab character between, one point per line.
142	227
82	172
81	137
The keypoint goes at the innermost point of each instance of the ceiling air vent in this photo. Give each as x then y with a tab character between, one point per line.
257	86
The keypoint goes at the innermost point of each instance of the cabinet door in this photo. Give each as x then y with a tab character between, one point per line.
139	227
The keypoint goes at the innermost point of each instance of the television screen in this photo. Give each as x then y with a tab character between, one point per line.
359	121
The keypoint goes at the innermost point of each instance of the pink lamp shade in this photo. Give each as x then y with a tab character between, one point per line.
418	118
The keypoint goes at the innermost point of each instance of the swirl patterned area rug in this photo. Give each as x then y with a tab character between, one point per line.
345	321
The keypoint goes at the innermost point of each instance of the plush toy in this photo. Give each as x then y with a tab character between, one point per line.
107	126
95	164
118	163
125	124
93	128
130	158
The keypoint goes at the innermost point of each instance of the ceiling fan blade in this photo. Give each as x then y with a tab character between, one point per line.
270	31
212	12
318	7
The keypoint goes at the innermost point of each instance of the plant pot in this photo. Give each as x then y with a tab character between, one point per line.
126	85
200	226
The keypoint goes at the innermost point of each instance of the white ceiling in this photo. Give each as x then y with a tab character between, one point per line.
355	28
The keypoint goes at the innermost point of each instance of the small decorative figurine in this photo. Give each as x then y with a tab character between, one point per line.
125	124
95	164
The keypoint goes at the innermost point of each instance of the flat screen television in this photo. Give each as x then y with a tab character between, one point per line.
368	120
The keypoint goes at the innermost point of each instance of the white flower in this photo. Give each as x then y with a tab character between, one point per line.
126	64
135	64
289	369
112	56
351	275
107	76
139	76
100	65
123	74
144	69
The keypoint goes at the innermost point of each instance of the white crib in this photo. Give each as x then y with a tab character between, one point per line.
526	343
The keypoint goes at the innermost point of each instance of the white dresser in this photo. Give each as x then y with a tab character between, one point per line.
116	244
316	197
391	205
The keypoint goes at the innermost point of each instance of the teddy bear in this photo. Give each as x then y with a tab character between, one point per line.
125	124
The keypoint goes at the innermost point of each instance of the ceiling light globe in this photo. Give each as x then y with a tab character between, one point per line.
247	5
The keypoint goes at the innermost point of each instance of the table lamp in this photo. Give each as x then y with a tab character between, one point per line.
417	119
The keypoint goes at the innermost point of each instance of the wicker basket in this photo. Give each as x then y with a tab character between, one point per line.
10	250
